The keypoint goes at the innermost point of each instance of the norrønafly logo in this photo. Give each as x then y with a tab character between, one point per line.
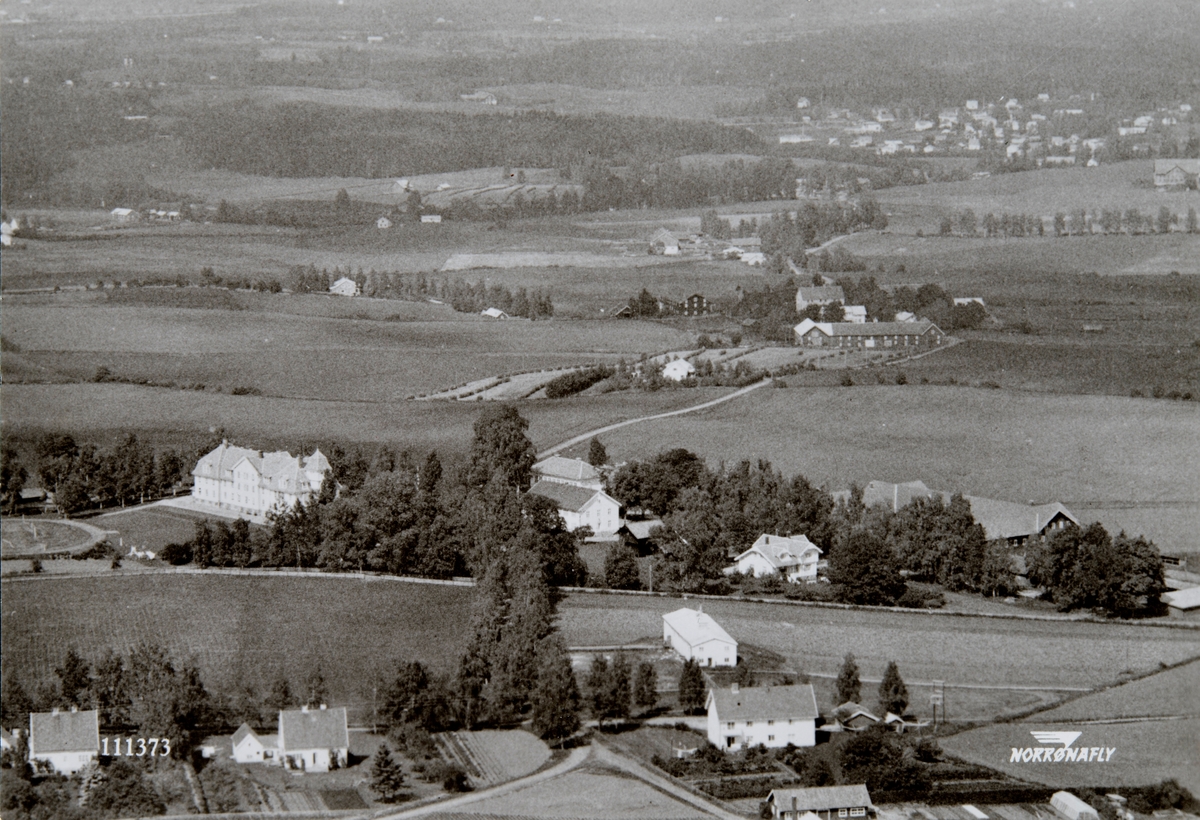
1067	754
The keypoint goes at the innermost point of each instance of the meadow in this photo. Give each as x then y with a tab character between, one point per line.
1097	450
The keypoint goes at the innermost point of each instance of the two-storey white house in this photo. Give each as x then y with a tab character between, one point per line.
794	557
582	507
253	483
773	716
696	636
67	741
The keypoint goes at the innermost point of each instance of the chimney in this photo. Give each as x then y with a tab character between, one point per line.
735	687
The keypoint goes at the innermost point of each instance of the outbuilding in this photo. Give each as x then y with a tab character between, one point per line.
824	802
1072	808
696	636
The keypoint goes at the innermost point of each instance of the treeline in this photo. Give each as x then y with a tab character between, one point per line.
1082	222
788	235
84	476
463	296
711	515
307	140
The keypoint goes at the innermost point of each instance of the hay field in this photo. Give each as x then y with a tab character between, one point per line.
1017	446
348	358
1171	693
240	628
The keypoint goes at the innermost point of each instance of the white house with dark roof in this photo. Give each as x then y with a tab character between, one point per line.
823	802
251	747
252	483
696	636
773	716
314	740
582	506
678	370
67	741
1015	522
571	471
793	557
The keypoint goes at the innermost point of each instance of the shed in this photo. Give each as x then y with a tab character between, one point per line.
696	636
1072	808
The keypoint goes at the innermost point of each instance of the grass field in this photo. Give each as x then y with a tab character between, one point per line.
37	537
1098	450
149	528
1171	693
241	629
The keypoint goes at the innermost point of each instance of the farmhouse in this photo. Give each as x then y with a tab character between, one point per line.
1016	523
493	313
855	314
698	637
67	741
793	557
250	482
125	215
825	802
572	471
773	716
345	287
582	507
678	370
917	335
251	747
431	219
824	295
383	223
695	305
314	740
1176	173
664	242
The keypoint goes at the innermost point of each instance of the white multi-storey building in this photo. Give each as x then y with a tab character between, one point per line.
252	483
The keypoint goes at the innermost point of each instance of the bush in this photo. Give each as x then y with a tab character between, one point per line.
847	381
577	381
176	554
452	776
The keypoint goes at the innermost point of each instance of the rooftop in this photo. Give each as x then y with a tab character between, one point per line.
573	469
64	732
766	703
821	798
564	496
313	729
696	627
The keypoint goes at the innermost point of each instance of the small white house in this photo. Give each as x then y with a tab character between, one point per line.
581	506
820	803
698	637
124	215
1072	808
773	716
67	741
251	747
314	740
856	314
345	287
793	557
383	223
493	313
431	219
679	370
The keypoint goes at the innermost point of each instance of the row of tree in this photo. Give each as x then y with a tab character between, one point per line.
1081	222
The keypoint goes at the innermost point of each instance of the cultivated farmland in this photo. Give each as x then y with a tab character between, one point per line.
1017	446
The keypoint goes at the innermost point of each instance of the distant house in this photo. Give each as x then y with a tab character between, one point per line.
431	219
479	97
493	313
314	740
664	242
696	636
793	557
1176	173
582	507
1016	523
571	471
772	716
824	295
125	215
250	482
383	223
1182	602
345	287
678	370
852	717
1072	808
823	802
250	747
856	314
963	301
905	316
754	258
66	741
695	305
912	335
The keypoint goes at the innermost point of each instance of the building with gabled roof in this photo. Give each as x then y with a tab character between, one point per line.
569	471
66	741
696	636
252	483
852	717
823	295
871	335
251	747
1015	522
824	802
314	740
772	716
678	370
896	496
345	286
581	506
1176	173
665	242
793	557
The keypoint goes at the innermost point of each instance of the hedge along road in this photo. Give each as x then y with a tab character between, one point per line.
571	442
